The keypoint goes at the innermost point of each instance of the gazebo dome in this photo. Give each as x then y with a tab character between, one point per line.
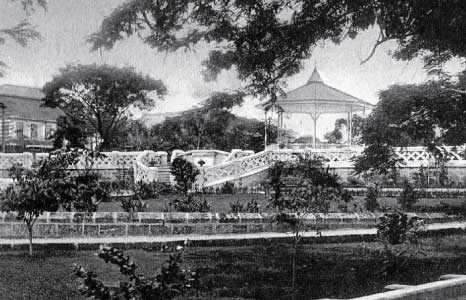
318	97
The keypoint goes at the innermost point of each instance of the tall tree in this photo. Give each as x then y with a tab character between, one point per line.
100	96
23	32
336	135
211	126
430	114
267	41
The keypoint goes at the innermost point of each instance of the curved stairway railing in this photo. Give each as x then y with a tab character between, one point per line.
412	157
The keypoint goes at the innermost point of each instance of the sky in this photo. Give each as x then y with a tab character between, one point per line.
65	25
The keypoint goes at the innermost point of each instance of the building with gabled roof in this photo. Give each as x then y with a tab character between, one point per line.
28	124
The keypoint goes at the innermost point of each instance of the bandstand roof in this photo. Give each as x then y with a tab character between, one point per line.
317	97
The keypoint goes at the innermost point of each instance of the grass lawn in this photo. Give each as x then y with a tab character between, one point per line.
221	203
249	272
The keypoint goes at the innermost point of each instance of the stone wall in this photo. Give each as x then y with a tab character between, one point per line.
102	224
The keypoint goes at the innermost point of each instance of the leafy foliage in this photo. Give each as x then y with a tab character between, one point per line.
316	188
430	114
211	126
29	197
170	283
336	136
185	174
377	159
23	32
250	206
397	228
190	203
41	188
408	197
267	41
370	201
100	96
147	190
228	188
133	205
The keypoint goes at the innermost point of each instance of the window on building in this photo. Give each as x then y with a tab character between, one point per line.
19	129
49	131
34	131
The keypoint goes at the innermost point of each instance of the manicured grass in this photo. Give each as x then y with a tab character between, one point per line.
221	202
250	272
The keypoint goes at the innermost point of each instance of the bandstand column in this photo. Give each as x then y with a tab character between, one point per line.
350	126
315	116
280	127
265	129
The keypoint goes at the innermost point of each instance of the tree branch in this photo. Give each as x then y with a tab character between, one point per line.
382	39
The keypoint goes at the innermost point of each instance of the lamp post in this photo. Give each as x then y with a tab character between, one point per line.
3	107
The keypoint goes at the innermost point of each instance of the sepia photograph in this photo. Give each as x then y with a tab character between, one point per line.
233	149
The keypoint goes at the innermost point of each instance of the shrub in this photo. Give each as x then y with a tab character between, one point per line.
370	201
170	283
132	206
190	203
354	181
228	188
185	174
408	196
85	192
146	190
250	206
397	228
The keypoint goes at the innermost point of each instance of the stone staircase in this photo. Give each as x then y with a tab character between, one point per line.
164	173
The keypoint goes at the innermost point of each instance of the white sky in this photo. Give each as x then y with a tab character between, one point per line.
66	24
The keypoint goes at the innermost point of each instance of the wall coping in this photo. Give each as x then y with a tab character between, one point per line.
210	217
443	289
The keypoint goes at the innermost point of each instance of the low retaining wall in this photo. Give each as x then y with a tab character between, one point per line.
101	224
448	288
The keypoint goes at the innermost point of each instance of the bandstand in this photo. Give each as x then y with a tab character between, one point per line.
315	98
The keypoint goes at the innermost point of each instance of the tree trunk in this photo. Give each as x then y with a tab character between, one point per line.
29	227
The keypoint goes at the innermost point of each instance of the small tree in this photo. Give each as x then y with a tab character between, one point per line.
316	188
29	197
185	174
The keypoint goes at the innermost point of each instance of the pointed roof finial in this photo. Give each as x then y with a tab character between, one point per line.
315	77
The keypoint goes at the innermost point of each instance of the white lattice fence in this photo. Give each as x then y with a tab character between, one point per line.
413	157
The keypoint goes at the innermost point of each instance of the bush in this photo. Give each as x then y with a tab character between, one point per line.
408	196
170	283
354	181
250	206
370	201
84	193
228	188
146	190
132	206
190	203
397	228
185	174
